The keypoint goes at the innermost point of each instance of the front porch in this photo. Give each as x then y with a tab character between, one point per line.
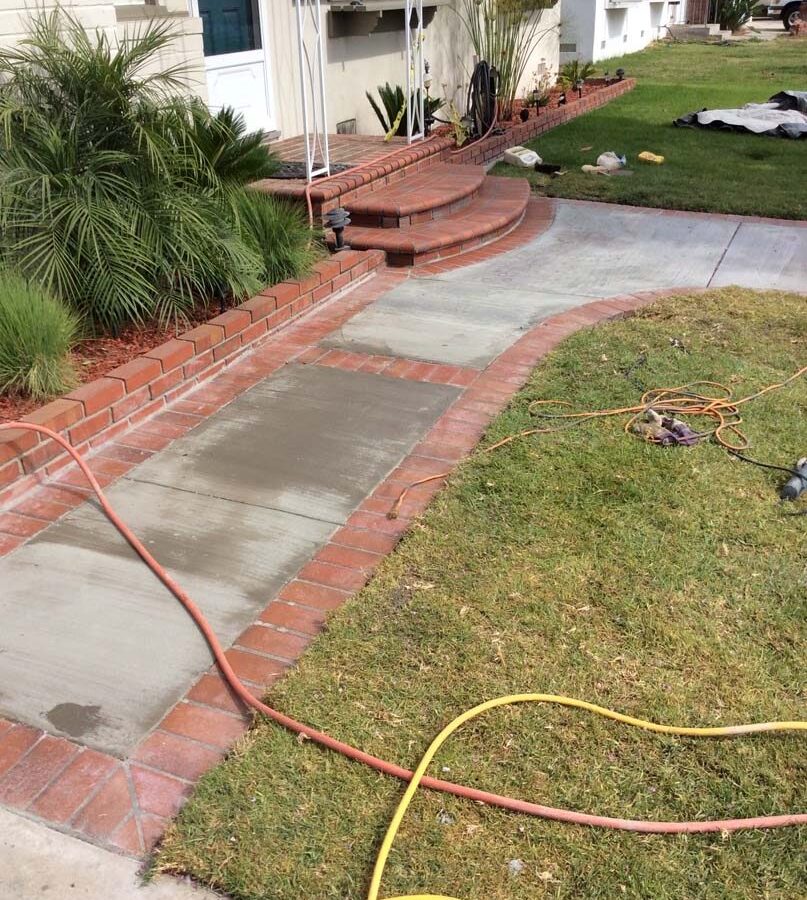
428	200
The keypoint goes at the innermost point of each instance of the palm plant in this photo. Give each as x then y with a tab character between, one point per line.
505	33
574	71
235	156
116	195
393	117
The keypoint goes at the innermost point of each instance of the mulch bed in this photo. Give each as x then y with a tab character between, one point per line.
93	357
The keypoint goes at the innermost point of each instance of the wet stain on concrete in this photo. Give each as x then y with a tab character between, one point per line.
75	719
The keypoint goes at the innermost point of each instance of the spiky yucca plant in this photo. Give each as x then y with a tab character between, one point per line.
393	117
36	334
504	33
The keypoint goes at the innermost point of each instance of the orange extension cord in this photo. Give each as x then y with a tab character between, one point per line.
380	765
678	401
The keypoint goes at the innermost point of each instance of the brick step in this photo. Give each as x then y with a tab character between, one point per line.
438	191
498	206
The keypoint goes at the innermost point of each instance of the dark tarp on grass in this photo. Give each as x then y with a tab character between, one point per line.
784	115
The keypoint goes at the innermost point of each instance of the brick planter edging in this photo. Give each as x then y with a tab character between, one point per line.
108	406
126	805
485	151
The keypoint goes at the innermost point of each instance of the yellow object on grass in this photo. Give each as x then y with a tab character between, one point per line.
428	756
647	156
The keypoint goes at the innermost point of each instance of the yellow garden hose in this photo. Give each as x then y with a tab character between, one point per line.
419	777
442	737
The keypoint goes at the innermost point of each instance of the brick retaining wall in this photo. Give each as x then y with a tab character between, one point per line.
108	406
482	152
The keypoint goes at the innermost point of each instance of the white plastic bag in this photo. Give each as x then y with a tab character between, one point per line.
609	160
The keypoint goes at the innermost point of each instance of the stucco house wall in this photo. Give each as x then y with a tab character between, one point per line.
358	63
354	64
599	29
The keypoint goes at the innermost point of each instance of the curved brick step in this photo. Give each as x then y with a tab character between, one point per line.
438	191
499	206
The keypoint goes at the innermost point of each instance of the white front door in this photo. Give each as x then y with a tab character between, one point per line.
236	59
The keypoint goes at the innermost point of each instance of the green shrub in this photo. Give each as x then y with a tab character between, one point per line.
36	334
115	194
733	14
279	232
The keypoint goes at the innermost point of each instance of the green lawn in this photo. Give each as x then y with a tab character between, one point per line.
663	583
704	170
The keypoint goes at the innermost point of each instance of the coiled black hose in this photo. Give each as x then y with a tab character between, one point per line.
482	98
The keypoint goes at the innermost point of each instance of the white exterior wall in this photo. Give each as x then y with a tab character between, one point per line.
15	16
353	64
601	29
356	64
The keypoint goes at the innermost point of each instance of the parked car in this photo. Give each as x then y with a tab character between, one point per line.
786	10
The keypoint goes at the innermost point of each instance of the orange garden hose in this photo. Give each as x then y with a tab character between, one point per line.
673	401
389	768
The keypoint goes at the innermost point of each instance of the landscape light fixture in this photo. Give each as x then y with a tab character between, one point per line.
620	74
428	116
337	219
578	86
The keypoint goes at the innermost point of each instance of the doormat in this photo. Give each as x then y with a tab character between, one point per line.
298	170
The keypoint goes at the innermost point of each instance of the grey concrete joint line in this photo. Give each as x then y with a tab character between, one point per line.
723	254
173	487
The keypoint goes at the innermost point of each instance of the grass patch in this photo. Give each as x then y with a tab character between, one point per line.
708	171
665	583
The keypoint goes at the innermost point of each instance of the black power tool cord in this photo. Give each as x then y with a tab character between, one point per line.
762	465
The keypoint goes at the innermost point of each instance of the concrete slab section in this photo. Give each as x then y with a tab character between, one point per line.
597	251
456	322
94	647
37	863
765	257
309	440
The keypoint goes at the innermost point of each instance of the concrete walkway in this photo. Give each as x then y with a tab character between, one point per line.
91	646
37	863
